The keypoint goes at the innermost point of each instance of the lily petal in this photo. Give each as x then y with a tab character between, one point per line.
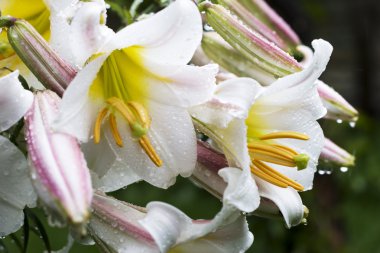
14	102
16	190
81	22
287	200
76	107
232	99
172	136
177	33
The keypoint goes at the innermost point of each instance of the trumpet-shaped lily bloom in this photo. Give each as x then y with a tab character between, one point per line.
16	190
135	92
121	227
59	170
281	138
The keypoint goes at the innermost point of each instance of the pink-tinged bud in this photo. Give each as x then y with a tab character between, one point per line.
335	155
231	60
337	107
269	17
115	224
59	171
253	21
51	70
263	53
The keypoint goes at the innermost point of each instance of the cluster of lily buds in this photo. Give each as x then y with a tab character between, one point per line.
121	93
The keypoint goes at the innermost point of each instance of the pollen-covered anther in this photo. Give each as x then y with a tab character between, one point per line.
139	122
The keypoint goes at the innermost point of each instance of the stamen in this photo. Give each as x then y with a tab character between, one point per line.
139	121
274	173
115	131
141	112
285	134
285	148
266	177
271	158
256	146
149	150
122	108
99	120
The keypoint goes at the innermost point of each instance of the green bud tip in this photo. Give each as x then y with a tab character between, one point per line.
301	161
138	130
7	21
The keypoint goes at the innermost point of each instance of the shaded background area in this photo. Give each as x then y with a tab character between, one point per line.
344	207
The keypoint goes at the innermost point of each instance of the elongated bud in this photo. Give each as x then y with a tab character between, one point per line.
250	44
59	171
332	154
252	20
52	71
231	60
337	107
115	225
271	19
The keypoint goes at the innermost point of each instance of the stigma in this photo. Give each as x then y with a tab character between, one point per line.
137	117
265	150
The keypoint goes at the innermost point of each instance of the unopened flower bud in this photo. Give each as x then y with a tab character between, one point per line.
266	55
231	60
59	171
337	107
333	154
52	71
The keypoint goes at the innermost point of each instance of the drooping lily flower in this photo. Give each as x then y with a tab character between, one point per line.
281	132
59	170
121	227
135	91
16	190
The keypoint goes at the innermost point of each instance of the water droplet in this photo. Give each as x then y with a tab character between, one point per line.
339	121
352	124
321	172
208	28
343	169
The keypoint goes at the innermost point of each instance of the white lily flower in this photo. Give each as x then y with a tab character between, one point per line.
59	170
139	84
279	126
120	227
16	190
282	126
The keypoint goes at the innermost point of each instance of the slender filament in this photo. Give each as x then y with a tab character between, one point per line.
285	134
98	123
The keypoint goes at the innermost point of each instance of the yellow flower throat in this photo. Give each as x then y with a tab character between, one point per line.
265	150
121	82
